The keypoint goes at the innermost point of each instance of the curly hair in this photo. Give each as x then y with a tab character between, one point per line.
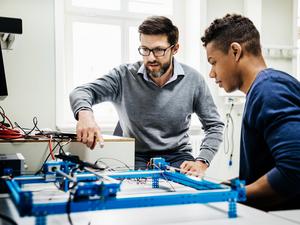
233	28
160	25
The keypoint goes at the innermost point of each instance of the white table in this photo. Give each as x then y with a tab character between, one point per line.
195	214
290	215
35	151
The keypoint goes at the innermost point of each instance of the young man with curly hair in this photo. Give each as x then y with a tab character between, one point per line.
270	135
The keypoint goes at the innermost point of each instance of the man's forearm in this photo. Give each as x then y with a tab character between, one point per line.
260	194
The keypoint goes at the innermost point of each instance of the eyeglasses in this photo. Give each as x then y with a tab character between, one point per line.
157	52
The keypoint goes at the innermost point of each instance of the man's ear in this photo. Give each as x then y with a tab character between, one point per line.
175	48
236	50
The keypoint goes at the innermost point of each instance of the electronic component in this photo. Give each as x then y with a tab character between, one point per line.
11	164
57	134
91	190
8	27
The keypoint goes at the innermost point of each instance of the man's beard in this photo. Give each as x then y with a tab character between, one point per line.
163	69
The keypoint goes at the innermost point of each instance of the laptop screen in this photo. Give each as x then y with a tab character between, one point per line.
3	86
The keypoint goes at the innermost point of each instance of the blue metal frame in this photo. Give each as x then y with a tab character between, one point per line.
106	189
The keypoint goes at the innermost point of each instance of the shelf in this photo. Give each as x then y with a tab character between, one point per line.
107	138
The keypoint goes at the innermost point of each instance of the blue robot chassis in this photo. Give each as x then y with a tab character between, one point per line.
90	190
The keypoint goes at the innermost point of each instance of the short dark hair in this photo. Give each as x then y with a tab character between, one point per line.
160	25
233	28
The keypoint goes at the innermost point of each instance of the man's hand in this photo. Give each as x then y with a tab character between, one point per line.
87	129
195	168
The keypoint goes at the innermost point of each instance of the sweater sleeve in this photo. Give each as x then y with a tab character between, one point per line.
105	88
208	115
278	118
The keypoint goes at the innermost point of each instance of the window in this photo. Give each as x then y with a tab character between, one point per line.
92	37
96	4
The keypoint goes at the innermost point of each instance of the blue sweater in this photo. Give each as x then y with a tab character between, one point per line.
270	139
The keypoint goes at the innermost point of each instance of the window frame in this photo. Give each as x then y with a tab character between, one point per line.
65	14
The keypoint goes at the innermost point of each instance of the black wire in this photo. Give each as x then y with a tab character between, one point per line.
24	132
68	206
61	151
166	179
105	164
37	172
8	219
120	168
99	160
2	115
35	127
35	122
3	122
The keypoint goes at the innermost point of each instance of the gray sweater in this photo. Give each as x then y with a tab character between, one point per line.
157	117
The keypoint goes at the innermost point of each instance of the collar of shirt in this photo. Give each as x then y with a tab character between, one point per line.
177	70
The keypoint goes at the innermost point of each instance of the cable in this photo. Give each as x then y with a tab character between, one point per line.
106	166
100	160
8	219
166	179
120	168
7	130
68	206
61	151
5	117
35	127
50	147
7	133
2	113
227	147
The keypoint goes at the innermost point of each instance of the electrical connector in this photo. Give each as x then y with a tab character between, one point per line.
234	100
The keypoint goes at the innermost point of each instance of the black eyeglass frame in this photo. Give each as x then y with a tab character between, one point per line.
153	51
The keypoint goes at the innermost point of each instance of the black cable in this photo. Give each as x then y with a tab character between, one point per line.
120	168
2	115
4	118
99	160
68	206
106	166
8	219
35	127
37	172
165	178
60	151
227	147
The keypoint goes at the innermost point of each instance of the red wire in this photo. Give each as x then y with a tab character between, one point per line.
8	133
11	133
50	148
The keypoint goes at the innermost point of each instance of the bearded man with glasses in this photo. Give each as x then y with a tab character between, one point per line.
154	99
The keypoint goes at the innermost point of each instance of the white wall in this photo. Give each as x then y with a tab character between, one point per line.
220	168
277	30
30	68
30	73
